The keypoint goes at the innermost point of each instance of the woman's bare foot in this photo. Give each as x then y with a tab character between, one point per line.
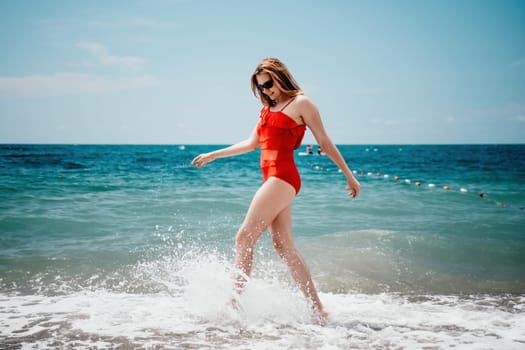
234	303
321	315
324	313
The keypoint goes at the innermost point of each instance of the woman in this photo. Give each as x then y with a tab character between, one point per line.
284	117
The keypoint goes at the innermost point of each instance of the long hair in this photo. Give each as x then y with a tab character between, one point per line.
281	78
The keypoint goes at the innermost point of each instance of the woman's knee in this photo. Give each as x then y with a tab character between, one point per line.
285	251
278	246
246	238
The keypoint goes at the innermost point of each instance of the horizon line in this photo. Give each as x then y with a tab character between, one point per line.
223	144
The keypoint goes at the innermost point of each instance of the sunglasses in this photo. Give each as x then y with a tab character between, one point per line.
266	85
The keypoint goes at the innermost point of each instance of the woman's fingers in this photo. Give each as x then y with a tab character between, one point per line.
354	189
201	160
198	161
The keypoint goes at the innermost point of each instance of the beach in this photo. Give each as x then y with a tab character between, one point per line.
130	246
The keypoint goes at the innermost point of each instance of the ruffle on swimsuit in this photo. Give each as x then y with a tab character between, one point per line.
279	135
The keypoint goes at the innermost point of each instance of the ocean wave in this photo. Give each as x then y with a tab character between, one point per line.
196	314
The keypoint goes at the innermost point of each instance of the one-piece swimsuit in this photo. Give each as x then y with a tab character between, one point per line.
279	135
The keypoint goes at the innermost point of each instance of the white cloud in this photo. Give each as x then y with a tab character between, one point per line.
368	91
518	63
61	84
150	23
386	122
510	111
102	55
450	120
519	118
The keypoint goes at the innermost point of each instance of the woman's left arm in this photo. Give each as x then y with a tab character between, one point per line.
312	119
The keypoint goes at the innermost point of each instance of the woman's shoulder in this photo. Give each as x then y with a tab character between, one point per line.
302	98
304	102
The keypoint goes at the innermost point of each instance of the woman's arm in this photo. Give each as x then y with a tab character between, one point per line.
312	119
241	147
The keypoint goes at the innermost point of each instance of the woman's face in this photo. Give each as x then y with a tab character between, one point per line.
266	85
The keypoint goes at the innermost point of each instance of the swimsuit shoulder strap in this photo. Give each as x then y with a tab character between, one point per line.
287	103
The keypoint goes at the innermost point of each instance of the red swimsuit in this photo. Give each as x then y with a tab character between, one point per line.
279	135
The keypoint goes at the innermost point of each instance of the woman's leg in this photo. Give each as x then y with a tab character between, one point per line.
271	198
281	230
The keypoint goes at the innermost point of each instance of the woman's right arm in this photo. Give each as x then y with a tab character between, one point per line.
242	147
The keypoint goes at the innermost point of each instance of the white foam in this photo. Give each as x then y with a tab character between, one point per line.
270	316
193	312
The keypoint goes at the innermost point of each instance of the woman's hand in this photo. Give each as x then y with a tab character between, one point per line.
203	159
353	186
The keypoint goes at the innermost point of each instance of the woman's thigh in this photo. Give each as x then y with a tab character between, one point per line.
274	196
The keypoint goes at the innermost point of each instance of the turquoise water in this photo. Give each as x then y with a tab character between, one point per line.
86	230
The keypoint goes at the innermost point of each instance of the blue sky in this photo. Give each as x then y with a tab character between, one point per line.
177	72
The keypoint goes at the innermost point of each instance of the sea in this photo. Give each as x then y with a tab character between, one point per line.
132	247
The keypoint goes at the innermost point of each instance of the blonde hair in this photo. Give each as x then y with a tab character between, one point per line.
281	78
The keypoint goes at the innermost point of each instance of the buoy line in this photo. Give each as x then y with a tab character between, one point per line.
398	179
